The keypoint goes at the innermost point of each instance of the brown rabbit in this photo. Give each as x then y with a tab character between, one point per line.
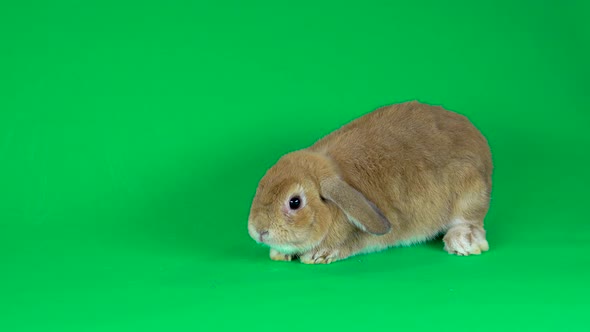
399	175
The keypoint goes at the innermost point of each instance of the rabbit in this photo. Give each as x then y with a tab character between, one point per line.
402	174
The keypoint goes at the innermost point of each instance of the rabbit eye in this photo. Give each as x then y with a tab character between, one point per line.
295	202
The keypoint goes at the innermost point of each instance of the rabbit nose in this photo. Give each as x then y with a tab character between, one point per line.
261	235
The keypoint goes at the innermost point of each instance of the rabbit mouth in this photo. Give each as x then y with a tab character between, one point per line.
293	248
287	249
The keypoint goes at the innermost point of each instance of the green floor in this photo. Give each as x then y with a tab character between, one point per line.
133	134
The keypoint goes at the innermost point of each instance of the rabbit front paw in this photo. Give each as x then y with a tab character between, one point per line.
279	256
322	256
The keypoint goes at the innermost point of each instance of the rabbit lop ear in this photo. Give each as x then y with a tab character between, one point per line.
360	211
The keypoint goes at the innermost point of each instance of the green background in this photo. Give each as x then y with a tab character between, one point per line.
133	135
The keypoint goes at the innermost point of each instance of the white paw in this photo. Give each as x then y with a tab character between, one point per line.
464	240
320	257
278	256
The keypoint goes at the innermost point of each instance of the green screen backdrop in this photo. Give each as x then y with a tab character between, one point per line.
133	135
